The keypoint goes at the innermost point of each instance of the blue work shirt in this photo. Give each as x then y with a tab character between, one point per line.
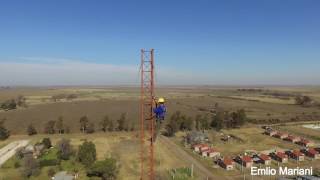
160	111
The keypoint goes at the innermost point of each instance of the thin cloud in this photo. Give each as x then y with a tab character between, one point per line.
33	71
52	71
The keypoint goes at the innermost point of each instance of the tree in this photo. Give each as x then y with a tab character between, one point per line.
71	97
49	127
106	169
111	126
60	125
64	149
31	130
217	121
9	105
30	166
47	142
4	133
198	119
105	123
173	126
84	123
240	117
90	129
187	123
303	100
121	122
205	125
87	153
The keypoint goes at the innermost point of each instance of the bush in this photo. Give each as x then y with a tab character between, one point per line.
47	142
87	153
4	133
65	150
106	169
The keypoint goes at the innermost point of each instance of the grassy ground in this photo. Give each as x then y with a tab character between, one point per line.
302	131
252	140
123	146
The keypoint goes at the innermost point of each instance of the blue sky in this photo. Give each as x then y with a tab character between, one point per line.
196	42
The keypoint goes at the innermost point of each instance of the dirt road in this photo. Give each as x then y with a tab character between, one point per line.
9	150
200	170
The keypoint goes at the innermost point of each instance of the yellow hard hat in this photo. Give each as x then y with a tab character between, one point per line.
161	100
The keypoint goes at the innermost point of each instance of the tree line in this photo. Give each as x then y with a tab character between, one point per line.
106	124
217	121
11	104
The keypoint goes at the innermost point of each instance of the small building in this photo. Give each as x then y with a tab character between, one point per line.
305	143
245	161
204	148
199	147
213	153
265	159
281	135
293	139
204	153
226	163
280	156
312	153
296	155
270	132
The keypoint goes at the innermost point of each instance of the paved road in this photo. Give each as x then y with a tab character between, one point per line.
203	172
9	150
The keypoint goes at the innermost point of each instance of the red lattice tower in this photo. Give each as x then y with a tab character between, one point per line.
146	114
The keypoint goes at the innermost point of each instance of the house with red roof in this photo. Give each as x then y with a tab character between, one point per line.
280	156
305	143
245	161
204	153
293	139
213	153
296	155
200	147
226	163
265	159
311	152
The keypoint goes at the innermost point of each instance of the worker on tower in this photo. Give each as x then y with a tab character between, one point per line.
160	112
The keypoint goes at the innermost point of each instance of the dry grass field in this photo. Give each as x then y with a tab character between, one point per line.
97	102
